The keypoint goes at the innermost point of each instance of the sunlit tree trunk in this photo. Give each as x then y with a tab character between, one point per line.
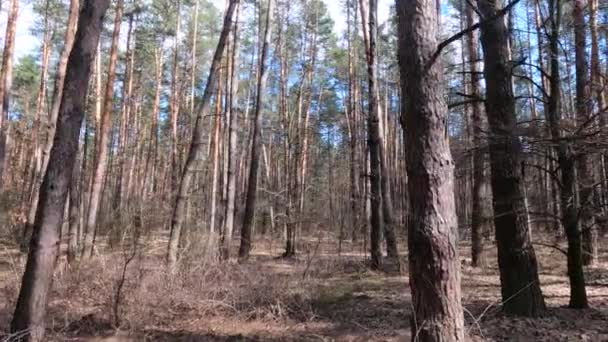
6	80
103	131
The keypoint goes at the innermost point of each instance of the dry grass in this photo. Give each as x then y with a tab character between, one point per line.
319	296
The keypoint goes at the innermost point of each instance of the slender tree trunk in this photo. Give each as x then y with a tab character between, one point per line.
250	200
433	227
520	284
196	146
30	310
121	199
583	111
70	33
6	80
74	211
103	131
150	167
374	142
566	161
174	105
231	113
37	155
481	218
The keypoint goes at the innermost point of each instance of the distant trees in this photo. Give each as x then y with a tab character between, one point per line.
179	208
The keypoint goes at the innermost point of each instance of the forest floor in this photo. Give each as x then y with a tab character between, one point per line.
318	296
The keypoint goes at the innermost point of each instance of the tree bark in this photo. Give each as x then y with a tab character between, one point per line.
433	228
37	280
520	285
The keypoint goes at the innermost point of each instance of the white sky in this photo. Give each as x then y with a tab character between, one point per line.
26	43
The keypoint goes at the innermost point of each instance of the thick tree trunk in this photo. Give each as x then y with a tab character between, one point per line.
30	310
433	228
6	80
250	200
520	285
103	132
196	146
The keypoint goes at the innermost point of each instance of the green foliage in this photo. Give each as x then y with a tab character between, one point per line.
26	82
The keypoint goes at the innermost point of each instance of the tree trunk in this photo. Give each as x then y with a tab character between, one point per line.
231	113
196	146
6	80
250	201
520	285
566	162
174	105
583	110
433	227
103	132
481	216
37	280
374	142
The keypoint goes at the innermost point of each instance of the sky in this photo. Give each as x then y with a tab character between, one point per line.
26	43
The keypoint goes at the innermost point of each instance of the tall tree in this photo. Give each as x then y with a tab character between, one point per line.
583	112
233	77
68	39
36	283
103	136
250	199
566	162
374	142
6	78
481	215
520	286
433	229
